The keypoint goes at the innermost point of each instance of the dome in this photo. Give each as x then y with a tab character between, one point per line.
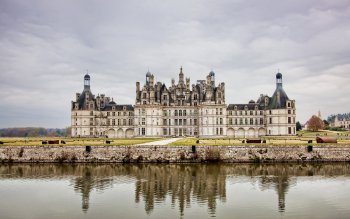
278	75
87	77
211	73
112	103
251	102
148	74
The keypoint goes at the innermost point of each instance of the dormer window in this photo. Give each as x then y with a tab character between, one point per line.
124	108
113	107
235	107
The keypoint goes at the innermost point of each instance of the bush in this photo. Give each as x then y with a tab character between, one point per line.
212	154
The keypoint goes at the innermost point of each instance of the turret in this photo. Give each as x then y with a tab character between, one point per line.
278	80
87	82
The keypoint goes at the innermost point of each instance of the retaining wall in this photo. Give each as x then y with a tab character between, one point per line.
173	154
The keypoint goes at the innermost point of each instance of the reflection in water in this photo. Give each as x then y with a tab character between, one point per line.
205	183
183	184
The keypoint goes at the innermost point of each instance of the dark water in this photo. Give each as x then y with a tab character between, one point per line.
175	191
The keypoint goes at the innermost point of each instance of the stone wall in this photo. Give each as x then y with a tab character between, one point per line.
173	154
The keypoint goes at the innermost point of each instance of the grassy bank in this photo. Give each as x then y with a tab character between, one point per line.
76	141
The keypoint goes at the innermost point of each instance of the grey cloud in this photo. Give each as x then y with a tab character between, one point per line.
46	47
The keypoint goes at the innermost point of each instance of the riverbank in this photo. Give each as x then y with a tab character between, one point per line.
173	154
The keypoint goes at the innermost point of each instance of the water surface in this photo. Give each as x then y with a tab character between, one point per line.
175	191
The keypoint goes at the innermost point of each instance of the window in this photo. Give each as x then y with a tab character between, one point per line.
108	114
164	121
251	121
289	130
143	121
113	121
220	121
180	112
113	113
143	131
289	111
289	120
270	120
230	121
184	112
176	122
176	113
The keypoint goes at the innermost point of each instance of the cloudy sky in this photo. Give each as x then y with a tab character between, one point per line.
46	47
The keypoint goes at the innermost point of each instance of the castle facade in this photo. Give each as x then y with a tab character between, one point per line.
182	109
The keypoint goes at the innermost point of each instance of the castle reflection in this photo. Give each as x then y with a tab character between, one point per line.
183	184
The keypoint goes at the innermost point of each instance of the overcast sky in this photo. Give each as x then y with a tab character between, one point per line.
46	47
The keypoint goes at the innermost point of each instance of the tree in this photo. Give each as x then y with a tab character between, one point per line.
326	124
315	124
298	126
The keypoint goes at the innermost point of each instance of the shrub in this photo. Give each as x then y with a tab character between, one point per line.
212	154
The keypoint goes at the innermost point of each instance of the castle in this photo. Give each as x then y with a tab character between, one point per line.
182	109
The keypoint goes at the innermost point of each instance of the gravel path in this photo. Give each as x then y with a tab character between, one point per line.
161	142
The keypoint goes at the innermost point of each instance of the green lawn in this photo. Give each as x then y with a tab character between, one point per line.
76	141
270	141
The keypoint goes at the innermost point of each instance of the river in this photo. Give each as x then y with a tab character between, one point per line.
175	190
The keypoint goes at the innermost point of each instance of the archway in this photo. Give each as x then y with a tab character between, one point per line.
129	133
120	133
230	133
262	132
251	133
240	133
111	133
